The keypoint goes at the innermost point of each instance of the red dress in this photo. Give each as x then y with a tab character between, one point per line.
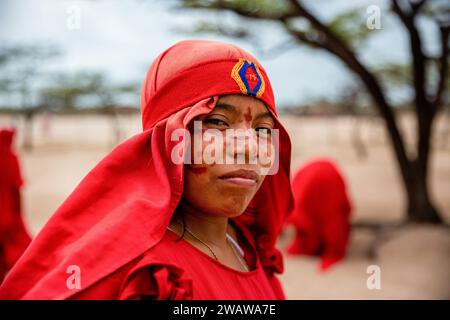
175	269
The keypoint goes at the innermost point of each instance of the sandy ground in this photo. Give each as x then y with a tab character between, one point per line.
414	263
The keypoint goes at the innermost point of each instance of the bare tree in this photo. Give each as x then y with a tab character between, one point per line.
338	38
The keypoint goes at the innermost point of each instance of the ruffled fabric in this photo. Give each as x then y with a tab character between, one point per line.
176	270
271	258
156	282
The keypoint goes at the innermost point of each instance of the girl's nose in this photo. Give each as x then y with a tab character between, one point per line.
242	145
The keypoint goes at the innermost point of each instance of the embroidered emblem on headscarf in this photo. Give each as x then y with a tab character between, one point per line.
248	77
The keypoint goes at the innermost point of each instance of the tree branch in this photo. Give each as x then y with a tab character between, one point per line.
336	46
303	36
331	42
419	75
416	6
443	64
228	5
424	108
278	49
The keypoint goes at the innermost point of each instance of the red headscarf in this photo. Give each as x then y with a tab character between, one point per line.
322	212
14	237
123	206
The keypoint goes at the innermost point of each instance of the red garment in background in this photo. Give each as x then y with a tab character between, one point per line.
121	209
322	212
14	238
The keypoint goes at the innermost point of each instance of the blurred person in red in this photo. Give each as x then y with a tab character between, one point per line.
321	216
14	237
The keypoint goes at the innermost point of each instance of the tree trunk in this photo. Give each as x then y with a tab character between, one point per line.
420	207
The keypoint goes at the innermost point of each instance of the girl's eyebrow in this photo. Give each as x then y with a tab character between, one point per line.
233	109
265	114
227	107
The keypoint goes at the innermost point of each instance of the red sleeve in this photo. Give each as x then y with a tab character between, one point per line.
156	282
140	280
277	288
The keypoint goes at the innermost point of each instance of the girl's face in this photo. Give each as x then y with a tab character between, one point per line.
225	187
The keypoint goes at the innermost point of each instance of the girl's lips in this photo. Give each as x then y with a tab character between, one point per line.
245	178
245	182
241	173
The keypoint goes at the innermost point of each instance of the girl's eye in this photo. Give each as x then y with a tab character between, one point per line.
264	130
216	122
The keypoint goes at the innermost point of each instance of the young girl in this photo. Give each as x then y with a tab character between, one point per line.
145	225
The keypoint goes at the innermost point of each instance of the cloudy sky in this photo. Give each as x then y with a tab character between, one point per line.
121	38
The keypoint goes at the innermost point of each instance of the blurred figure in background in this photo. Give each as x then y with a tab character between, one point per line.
321	216
14	237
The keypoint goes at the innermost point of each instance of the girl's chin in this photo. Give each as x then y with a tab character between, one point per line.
234	209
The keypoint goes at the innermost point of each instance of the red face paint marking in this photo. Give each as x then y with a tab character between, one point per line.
248	115
197	170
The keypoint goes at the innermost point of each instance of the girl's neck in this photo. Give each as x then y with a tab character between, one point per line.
209	228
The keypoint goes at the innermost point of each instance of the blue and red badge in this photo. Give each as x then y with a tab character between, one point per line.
248	77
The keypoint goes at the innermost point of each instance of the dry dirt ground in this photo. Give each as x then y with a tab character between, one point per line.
414	263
